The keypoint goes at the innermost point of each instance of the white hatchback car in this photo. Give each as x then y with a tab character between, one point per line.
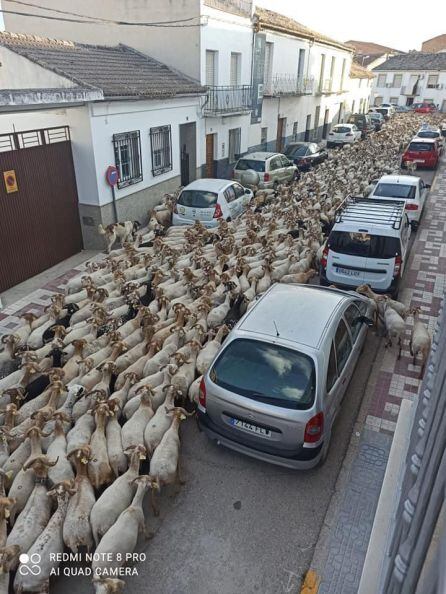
343	134
208	200
409	188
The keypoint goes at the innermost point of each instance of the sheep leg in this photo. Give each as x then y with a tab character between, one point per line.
155	508
400	344
178	478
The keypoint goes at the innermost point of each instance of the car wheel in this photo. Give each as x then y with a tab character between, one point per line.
324	452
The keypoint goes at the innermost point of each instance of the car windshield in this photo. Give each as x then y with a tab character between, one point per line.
267	373
395	191
341	129
245	164
363	244
421	146
197	198
296	151
428	134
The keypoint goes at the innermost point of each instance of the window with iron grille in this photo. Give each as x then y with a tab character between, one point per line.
127	146
295	132
161	145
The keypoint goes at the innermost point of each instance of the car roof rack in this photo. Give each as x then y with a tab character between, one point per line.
372	211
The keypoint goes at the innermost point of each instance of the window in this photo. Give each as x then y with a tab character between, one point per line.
308	127
389	190
317	115
229	194
211	68
234	144
264	137
296	151
397	80
332	373
295	133
418	147
245	164
343	345
344	62
381	80
321	73
197	198
266	373
127	146
301	63
161	145
332	70
269	47
364	245
352	314
239	190
275	163
236	69
378	100
394	100
432	81
285	161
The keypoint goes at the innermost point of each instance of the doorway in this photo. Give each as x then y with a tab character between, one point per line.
188	157
281	127
409	101
325	128
210	152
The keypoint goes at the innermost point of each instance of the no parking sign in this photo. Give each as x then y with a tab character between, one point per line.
112	175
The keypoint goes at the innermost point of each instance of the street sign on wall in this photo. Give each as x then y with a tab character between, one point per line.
258	67
112	175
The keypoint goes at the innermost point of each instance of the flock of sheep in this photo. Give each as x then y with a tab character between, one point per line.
92	392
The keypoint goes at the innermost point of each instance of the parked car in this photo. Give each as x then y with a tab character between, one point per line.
426	108
208	200
409	188
443	128
343	134
368	243
276	386
422	151
401	108
273	168
305	154
386	112
377	120
390	106
363	122
433	132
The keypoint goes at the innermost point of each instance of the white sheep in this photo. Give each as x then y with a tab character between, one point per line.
395	326
420	340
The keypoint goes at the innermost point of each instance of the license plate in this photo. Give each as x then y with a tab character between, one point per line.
250	427
347	271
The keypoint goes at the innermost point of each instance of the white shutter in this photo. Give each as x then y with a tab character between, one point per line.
268	63
211	78
235	70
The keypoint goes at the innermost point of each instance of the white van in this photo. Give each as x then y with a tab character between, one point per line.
368	243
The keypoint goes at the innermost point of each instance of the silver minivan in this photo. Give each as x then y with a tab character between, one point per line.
276	386
272	168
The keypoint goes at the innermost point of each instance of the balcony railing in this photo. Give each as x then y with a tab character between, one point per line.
228	100
240	7
285	84
325	87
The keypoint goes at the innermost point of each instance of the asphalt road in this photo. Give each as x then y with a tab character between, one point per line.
240	525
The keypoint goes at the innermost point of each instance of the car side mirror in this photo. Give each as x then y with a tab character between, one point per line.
247	191
428	186
364	320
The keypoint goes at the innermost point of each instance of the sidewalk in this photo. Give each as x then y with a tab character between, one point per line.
343	541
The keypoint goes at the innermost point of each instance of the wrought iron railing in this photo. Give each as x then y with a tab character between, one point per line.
240	7
325	87
12	141
229	99
286	84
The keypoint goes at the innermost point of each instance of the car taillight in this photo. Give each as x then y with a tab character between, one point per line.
218	213
397	268
411	206
314	428
266	177
202	394
324	257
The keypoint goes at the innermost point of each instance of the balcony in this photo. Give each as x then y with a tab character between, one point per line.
285	84
410	90
240	7
325	87
230	100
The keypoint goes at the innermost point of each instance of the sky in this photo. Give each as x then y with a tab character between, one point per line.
400	24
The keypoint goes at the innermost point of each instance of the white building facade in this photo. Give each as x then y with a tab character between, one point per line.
411	78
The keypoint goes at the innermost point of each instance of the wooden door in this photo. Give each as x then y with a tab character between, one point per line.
280	134
209	155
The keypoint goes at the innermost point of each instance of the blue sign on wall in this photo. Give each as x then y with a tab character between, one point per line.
258	68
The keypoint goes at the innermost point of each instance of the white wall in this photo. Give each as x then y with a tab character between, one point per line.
437	95
110	118
359	88
16	72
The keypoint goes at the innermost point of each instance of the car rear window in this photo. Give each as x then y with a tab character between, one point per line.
418	147
197	198
245	164
266	373
296	151
364	244
428	134
341	129
395	191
